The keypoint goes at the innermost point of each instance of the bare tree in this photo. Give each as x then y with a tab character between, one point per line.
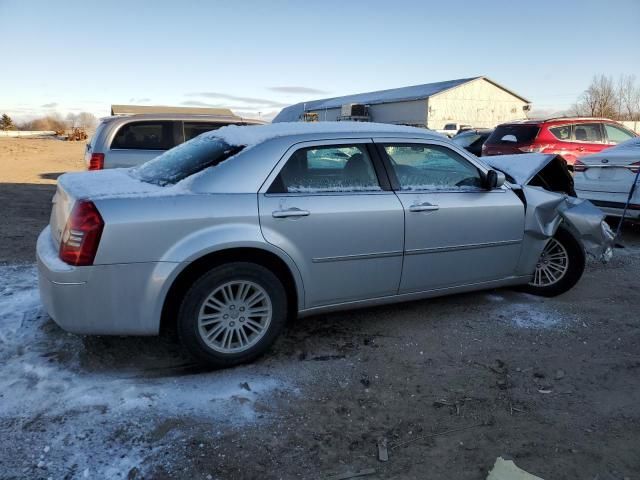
628	98
599	99
87	120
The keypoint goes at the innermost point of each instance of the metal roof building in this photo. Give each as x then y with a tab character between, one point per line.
477	101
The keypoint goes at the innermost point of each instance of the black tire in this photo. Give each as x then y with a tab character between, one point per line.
188	327
576	264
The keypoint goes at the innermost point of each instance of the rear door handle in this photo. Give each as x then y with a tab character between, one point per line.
290	212
423	207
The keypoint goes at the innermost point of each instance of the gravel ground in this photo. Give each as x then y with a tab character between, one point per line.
451	383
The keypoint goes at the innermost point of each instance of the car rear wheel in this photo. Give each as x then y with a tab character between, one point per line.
232	314
559	267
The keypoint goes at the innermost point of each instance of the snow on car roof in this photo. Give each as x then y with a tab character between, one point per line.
253	135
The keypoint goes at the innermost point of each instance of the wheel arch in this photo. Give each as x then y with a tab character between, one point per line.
285	270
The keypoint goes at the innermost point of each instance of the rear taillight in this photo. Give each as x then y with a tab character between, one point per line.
81	236
97	161
578	166
634	167
533	148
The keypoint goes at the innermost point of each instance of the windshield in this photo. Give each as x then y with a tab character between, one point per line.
185	160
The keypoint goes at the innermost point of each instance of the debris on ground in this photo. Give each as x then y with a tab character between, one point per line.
507	470
348	475
383	452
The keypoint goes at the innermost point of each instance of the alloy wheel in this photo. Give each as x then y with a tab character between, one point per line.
552	264
235	316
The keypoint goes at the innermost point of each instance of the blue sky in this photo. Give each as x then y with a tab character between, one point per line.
258	56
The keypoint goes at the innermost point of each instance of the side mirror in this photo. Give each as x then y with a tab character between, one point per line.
493	180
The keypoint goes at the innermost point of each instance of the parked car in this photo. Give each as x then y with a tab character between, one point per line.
228	235
570	137
451	129
130	140
606	178
472	140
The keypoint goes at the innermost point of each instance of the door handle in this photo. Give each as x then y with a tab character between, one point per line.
423	207
290	212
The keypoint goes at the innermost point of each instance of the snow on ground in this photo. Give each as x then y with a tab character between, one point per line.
535	314
47	385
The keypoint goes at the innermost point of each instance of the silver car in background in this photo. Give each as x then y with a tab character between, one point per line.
606	178
227	236
131	140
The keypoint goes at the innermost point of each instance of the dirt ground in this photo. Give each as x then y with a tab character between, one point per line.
28	172
450	383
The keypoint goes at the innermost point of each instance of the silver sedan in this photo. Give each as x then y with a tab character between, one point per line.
227	236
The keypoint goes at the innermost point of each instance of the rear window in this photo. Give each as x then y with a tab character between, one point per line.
466	139
150	135
193	129
513	134
185	160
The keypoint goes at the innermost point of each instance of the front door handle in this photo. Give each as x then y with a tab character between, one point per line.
290	212
423	207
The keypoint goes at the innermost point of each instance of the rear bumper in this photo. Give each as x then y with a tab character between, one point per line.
118	299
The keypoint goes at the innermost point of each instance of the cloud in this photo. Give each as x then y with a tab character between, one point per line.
139	100
252	101
50	105
297	89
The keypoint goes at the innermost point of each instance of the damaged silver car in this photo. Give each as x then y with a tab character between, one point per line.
227	236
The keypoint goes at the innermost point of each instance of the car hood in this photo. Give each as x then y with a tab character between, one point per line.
548	171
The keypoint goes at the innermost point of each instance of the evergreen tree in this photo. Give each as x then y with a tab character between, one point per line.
6	123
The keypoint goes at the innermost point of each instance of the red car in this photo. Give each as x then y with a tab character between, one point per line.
570	137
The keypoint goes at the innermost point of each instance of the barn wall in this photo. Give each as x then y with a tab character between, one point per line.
478	103
409	113
406	113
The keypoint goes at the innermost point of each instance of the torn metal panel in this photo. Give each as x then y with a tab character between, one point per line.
546	211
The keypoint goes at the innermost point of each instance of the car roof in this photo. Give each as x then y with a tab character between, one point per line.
253	135
555	120
181	116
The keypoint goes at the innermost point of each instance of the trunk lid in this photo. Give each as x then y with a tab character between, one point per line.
610	170
95	185
60	211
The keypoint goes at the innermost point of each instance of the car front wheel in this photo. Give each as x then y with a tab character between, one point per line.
559	267
232	314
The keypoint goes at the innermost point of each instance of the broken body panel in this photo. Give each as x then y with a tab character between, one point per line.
547	191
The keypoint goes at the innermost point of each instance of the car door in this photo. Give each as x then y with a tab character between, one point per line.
588	138
456	232
327	209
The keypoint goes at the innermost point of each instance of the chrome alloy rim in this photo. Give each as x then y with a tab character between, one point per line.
552	264
235	316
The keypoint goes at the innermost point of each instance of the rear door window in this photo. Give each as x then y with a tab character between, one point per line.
148	135
513	134
193	129
340	168
587	132
617	134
